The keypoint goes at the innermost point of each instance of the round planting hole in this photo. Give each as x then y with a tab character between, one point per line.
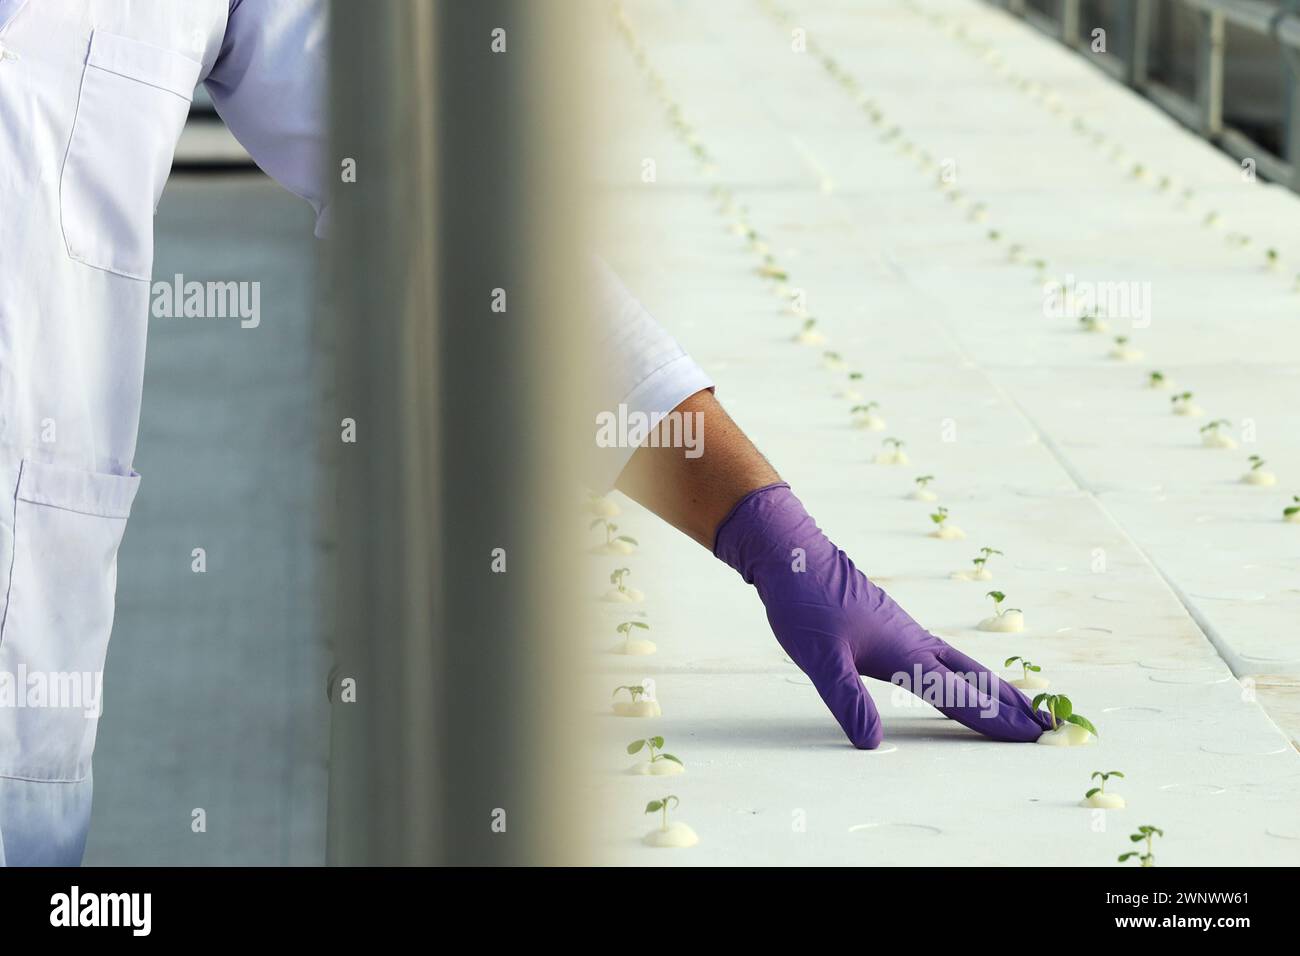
1189	677
1261	748
1233	596
1194	789
1170	664
896	829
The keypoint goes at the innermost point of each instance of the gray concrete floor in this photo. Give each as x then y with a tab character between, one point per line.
214	691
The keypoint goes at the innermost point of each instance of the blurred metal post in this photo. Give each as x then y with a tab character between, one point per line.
1070	22
1138	23
1209	72
383	267
1291	123
457	748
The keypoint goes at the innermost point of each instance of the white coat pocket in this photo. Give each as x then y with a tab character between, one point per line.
67	525
131	110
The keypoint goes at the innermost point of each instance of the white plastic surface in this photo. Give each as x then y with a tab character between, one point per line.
1152	581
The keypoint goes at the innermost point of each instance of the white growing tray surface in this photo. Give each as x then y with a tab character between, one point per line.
1061	456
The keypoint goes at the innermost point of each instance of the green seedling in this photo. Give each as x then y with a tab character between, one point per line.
1060	709
855	376
809	325
1156	378
611	532
655	806
616	578
626	630
1256	463
1271	256
1144	834
894	444
994	235
1103	776
1121	340
924	480
1090	323
940	516
1212	428
636	691
1181	399
1026	665
865	409
998	597
654	745
983	559
1294	509
832	357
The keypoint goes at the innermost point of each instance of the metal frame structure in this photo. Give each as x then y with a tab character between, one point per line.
1204	113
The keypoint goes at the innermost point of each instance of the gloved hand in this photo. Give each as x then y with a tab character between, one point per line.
835	624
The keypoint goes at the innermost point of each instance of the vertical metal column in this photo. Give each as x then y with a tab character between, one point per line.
454	507
1070	22
1138	28
1291	120
1209	73
383	794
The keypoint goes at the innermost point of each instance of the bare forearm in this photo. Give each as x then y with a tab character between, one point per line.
695	494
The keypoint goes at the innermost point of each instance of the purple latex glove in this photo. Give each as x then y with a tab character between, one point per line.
835	624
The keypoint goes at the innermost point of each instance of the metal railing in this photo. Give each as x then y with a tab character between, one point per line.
1204	111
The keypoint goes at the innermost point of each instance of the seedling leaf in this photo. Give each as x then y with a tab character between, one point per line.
1080	721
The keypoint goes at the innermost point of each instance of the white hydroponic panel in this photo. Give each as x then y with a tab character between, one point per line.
1160	592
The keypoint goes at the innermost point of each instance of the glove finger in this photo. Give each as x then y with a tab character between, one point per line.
977	698
836	679
1008	693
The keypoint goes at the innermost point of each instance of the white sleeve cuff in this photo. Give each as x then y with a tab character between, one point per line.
645	375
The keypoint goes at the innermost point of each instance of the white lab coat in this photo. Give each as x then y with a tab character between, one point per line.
93	97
